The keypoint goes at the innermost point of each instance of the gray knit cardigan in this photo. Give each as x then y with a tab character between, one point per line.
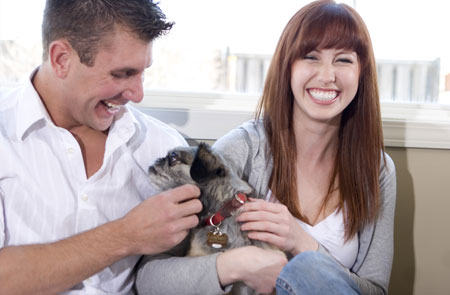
245	149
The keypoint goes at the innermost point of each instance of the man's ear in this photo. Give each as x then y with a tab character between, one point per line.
60	55
206	165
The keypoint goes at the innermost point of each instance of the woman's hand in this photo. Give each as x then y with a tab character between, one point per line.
274	224
257	268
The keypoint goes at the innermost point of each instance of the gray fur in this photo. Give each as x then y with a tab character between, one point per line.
218	184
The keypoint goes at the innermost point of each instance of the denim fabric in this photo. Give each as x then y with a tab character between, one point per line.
314	273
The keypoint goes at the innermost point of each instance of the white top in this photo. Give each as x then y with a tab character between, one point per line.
44	193
330	233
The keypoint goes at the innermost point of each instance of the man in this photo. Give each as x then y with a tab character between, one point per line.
75	212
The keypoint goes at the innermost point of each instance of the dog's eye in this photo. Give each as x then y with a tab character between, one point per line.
173	158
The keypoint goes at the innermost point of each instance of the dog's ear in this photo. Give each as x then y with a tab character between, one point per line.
206	165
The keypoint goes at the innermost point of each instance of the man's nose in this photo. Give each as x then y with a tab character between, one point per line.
135	89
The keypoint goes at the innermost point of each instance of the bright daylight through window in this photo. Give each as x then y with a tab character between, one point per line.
226	46
217	54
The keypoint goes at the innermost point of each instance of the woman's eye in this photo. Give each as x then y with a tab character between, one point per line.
311	57
345	60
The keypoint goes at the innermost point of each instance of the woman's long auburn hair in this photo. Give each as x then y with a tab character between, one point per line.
325	25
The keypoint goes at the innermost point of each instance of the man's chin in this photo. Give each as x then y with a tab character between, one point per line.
102	123
102	126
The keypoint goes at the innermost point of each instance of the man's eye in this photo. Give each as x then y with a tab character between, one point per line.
119	76
122	75
173	158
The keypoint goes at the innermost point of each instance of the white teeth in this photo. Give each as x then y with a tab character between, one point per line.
111	105
323	95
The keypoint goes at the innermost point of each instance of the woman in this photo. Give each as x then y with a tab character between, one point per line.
331	185
316	154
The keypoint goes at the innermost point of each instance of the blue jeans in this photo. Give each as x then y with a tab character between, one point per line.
314	273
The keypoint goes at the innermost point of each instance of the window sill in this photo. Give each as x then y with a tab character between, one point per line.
207	116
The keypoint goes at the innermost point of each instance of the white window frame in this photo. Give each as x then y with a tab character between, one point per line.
207	116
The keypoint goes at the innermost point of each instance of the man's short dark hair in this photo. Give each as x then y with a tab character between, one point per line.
86	23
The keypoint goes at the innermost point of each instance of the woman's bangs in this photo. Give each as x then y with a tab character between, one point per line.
334	27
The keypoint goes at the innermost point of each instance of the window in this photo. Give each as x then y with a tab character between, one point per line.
20	35
227	45
215	58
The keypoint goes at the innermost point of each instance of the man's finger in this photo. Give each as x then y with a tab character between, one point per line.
186	223
184	193
190	207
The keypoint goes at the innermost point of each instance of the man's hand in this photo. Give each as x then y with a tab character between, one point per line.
154	226
257	268
162	221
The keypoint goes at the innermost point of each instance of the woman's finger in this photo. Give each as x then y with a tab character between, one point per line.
259	215
265	226
269	238
262	206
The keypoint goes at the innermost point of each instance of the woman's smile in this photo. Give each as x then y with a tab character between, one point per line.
322	96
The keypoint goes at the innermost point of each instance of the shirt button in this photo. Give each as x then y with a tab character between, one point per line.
84	197
70	150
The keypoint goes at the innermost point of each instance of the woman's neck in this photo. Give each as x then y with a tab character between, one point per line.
316	142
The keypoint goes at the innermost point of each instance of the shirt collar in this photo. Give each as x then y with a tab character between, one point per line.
124	125
121	131
31	109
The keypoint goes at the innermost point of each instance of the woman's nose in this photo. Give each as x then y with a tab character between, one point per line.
327	74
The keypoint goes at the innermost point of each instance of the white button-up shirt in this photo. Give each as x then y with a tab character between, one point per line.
44	193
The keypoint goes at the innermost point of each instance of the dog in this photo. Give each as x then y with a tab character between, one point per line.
222	194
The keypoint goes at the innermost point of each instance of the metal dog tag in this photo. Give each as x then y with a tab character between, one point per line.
217	239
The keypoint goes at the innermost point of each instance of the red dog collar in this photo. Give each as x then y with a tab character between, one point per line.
224	212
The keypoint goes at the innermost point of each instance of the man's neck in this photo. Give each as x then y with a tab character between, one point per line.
48	91
92	142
